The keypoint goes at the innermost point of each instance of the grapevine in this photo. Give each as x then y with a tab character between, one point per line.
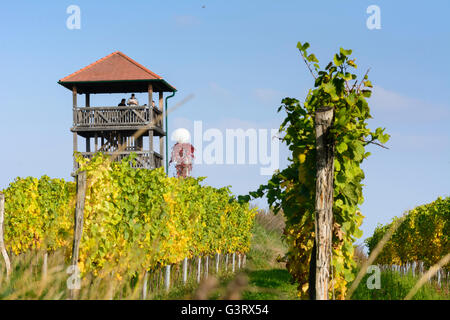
293	189
423	235
134	219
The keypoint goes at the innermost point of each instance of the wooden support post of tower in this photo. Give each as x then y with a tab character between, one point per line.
75	136
324	200
88	138
161	138
150	131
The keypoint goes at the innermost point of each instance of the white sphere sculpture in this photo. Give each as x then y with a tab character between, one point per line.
181	135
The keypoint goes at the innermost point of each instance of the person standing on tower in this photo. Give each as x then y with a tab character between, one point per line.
133	101
122	103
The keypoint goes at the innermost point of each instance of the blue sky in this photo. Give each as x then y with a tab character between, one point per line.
238	59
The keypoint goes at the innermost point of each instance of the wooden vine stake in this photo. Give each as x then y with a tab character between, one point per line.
78	230
167	278
145	285
2	242
199	266
185	270
217	262
226	263
324	200
234	262
45	267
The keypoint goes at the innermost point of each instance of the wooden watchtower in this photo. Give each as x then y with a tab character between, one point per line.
112	127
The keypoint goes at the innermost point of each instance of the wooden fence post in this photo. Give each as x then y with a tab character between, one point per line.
226	263
199	266
185	269
324	199
110	292
217	262
45	267
439	278
167	278
160	278
2	241
78	226
233	261
145	285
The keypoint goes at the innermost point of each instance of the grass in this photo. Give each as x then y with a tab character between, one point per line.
271	284
267	246
268	278
394	286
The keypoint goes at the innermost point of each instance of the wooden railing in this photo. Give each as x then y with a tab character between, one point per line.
92	117
144	159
